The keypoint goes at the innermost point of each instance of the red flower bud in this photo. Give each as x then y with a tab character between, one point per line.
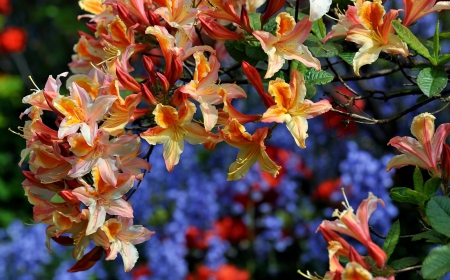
217	31
127	81
125	15
88	260
163	82
63	240
445	163
92	26
245	21
152	18
150	68
174	70
273	7
255	79
13	40
148	95
68	196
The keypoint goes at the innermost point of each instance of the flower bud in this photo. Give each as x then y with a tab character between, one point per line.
127	81
245	21
217	31
255	79
273	7
445	163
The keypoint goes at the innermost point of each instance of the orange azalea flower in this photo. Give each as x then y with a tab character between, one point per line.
232	112
102	198
103	154
122	111
345	22
292	108
203	88
357	227
375	34
81	112
287	44
123	235
252	150
173	128
423	152
223	9
92	6
177	13
39	101
415	9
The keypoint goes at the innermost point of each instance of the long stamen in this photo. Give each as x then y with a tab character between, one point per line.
31	79
345	197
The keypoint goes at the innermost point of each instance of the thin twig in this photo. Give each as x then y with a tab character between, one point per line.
376	74
388	120
384	236
340	79
147	157
297	7
408	268
189	70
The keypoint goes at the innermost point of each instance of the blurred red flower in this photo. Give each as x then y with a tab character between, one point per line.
13	40
225	272
5	7
326	188
232	229
197	238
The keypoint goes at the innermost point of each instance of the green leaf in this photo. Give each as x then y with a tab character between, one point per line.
436	46
391	239
318	28
431	186
295	64
408	37
421	67
320	77
271	25
438	214
421	98
430	236
444	35
255	53
310	91
403	194
432	81
347	57
236	49
255	20
328	50
437	263
443	59
404	263
418	180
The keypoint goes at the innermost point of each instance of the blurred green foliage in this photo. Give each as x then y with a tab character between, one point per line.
52	32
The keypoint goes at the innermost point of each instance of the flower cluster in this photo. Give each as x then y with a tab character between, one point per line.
82	167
